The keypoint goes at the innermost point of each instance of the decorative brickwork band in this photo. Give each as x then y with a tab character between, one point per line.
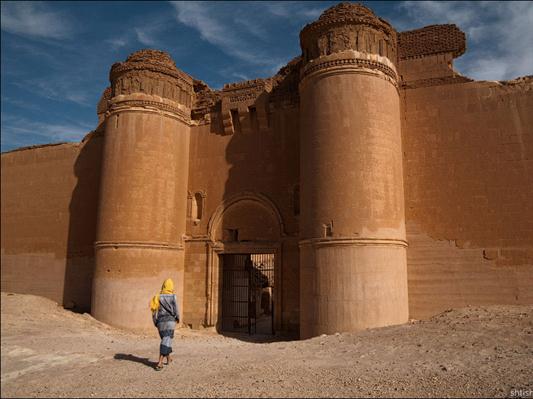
254	84
118	104
363	64
341	241
138	244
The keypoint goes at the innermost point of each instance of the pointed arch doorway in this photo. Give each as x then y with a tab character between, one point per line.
244	266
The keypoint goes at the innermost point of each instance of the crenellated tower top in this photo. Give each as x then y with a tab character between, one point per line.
151	72
348	26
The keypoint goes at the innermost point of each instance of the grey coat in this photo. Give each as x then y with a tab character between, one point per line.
168	309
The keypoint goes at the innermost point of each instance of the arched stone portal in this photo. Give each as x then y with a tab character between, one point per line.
247	223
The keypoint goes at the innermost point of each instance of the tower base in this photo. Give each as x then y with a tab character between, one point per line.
349	285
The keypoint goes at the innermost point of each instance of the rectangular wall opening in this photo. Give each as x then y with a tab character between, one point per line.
235	120
254	125
248	293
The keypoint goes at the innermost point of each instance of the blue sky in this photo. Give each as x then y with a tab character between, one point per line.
56	55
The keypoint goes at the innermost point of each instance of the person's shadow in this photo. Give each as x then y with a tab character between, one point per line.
136	359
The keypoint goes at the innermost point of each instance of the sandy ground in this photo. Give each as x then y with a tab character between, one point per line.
482	351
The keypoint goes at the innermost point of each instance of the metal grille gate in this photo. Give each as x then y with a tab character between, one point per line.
247	293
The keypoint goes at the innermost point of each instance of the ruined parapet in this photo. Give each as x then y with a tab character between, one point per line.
143	195
206	103
433	39
103	104
243	105
285	86
352	224
426	56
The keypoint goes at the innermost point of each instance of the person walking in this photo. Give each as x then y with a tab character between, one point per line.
165	315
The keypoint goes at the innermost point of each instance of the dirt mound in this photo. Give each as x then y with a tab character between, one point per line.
472	352
21	310
30	303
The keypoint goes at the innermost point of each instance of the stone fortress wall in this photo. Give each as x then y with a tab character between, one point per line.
388	185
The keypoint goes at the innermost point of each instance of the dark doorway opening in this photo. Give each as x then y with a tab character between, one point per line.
248	293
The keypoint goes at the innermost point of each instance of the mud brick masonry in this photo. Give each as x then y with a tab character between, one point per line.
387	186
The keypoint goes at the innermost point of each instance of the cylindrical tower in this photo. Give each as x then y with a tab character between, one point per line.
143	190
352	227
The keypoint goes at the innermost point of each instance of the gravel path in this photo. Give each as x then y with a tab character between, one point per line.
471	352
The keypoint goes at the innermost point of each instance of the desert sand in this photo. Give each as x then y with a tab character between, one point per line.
48	351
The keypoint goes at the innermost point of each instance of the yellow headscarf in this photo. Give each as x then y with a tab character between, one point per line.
166	288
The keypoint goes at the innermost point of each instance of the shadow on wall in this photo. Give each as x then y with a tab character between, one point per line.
83	210
247	224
